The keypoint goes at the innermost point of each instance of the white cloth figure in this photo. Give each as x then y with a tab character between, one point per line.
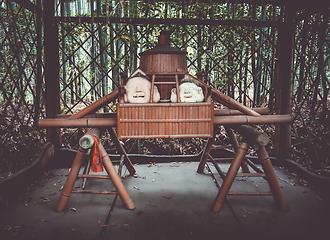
189	92
138	91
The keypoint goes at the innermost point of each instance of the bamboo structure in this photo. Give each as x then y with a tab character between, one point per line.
112	122
166	120
252	136
73	175
278	44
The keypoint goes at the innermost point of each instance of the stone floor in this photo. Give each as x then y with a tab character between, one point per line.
172	202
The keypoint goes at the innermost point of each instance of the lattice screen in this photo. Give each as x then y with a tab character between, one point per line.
20	74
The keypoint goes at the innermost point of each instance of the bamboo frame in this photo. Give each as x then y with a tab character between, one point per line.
268	174
73	175
111	122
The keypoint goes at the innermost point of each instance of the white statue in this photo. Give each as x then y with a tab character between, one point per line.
138	90
189	92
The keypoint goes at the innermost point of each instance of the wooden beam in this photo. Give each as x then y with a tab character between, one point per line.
174	21
51	50
282	143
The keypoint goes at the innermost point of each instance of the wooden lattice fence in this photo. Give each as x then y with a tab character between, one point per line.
234	45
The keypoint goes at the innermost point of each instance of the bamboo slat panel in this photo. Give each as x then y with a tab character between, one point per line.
165	120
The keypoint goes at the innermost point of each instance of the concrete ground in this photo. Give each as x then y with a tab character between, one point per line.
172	201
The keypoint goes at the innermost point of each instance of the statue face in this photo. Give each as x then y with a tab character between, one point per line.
138	91
189	92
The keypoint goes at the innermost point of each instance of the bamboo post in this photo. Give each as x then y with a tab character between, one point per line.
272	179
231	174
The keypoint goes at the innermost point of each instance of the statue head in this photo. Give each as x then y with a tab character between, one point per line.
189	92
138	90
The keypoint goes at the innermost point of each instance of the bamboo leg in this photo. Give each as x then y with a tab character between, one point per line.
272	180
120	148
72	176
234	143
231	174
116	179
206	150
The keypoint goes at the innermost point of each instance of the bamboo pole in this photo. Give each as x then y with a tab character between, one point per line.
272	179
268	119
231	103
217	112
112	121
127	201
230	176
72	176
234	143
82	122
206	150
226	112
96	105
228	101
95	115
120	149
